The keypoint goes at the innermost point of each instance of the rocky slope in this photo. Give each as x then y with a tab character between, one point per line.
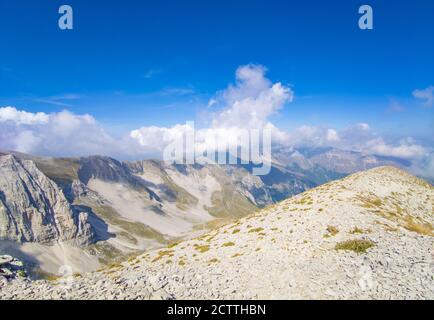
34	209
369	235
145	204
134	206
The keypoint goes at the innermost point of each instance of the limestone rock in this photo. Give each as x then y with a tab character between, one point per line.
34	209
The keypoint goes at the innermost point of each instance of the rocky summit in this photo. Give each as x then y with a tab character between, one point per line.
367	236
34	209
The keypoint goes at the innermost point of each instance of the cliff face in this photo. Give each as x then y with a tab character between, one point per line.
34	209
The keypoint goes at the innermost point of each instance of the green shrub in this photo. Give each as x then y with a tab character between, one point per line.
359	246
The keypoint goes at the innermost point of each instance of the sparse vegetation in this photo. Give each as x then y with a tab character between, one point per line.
163	253
202	249
386	226
172	245
256	230
228	244
359	246
421	228
114	265
21	273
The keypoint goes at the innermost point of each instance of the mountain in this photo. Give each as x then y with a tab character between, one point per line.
367	236
34	209
333	160
134	206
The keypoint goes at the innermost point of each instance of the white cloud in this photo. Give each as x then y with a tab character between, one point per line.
332	135
427	95
58	134
359	137
11	114
157	138
424	167
247	104
405	148
251	100
310	136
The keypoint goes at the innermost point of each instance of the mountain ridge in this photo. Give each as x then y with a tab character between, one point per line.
140	205
367	236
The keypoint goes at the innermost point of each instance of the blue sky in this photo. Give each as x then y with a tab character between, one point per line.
139	63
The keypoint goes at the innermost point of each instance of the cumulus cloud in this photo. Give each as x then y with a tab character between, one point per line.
359	137
251	100
310	136
247	104
10	114
57	134
405	148
157	138
426	95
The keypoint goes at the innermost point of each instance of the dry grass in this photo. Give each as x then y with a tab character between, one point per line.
357	230
425	229
163	253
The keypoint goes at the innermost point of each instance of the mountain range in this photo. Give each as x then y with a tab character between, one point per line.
366	236
96	208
